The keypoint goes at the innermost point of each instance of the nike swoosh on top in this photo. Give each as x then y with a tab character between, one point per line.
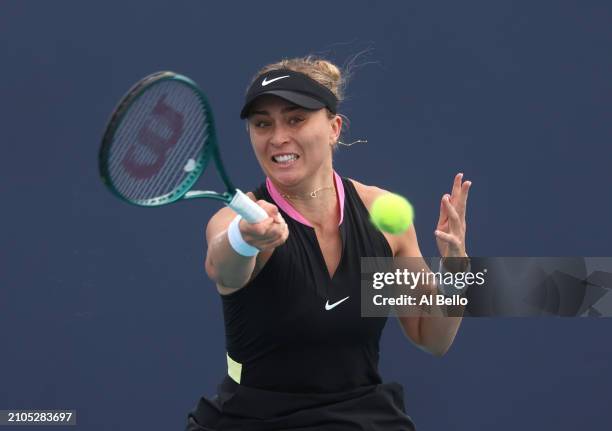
266	82
329	306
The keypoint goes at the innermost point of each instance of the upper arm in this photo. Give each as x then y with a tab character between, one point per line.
408	247
404	245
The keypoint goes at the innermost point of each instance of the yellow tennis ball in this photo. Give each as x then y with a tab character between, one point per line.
391	213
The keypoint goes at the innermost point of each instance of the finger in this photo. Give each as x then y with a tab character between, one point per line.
255	230
267	245
271	209
447	237
277	239
276	230
455	193
443	213
270	238
285	235
465	189
454	221
277	243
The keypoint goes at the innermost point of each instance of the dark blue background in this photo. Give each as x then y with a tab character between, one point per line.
105	308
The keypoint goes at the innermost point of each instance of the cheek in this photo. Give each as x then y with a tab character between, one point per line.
320	142
257	143
315	138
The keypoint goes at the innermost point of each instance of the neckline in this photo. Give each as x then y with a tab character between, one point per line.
283	204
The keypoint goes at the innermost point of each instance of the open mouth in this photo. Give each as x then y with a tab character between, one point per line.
285	159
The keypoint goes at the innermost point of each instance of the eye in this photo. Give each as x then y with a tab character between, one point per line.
295	120
259	124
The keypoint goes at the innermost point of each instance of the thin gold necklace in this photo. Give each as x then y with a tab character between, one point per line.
313	194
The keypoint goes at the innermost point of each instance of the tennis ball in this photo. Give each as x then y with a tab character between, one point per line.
391	213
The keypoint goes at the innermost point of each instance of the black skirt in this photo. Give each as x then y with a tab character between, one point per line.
237	407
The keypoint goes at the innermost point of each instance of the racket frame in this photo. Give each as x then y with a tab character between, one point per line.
211	149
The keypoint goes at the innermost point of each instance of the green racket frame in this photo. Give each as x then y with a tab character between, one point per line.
210	150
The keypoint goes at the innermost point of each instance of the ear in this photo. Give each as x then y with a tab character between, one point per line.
336	128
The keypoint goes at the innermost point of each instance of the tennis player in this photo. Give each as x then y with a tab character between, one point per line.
299	354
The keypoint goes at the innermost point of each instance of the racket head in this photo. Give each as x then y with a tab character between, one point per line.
158	140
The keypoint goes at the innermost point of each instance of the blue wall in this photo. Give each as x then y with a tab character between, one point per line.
105	308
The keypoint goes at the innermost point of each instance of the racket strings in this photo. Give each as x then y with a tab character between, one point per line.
142	169
131	186
126	138
180	159
173	175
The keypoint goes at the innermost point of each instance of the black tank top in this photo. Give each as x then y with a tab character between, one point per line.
279	334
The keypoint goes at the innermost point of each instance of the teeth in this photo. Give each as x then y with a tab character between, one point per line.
285	158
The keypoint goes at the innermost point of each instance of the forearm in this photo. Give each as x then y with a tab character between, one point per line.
226	267
437	334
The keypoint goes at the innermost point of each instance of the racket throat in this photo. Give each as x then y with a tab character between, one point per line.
208	194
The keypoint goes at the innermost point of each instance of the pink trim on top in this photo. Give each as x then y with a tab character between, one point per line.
283	204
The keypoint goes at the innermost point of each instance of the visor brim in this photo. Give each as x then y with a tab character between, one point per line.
299	99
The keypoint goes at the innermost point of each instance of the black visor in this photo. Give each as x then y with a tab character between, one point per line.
292	86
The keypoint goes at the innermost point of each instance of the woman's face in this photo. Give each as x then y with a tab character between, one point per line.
291	143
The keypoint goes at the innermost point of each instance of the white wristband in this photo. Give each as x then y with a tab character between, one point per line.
238	243
449	289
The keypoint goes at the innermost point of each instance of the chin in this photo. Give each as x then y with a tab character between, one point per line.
287	178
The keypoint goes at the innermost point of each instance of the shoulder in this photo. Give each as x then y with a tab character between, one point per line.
368	194
405	244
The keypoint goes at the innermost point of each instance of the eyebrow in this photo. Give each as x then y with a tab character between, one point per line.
283	111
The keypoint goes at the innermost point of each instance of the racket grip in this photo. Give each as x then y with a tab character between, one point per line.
248	209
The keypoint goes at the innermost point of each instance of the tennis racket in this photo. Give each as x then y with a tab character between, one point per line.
158	142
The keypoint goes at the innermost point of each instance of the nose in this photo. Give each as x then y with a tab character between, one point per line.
279	136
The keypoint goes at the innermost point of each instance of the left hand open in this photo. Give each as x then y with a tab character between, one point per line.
450	231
